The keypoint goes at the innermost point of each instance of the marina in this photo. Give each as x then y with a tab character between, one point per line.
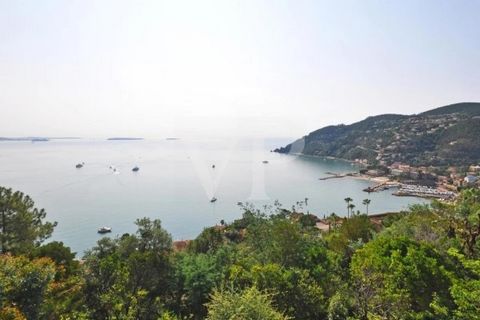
422	191
409	190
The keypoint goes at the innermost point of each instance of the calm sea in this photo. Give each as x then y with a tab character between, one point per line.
175	183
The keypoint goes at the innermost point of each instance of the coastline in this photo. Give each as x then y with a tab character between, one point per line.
405	190
322	157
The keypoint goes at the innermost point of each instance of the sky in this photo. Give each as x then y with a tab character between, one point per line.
252	68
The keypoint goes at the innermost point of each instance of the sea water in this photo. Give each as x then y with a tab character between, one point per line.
175	183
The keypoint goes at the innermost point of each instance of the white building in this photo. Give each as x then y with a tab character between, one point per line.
475	168
470	180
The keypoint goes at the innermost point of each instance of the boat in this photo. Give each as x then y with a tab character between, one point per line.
213	199
264	161
135	169
213	166
104	230
78	166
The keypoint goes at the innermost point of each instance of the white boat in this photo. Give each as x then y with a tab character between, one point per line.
104	230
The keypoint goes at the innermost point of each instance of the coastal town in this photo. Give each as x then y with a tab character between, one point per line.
433	154
425	182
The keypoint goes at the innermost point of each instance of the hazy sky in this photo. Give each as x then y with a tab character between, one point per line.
271	68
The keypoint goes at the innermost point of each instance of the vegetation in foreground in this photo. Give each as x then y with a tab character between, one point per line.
270	264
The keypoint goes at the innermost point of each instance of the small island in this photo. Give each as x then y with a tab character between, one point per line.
32	139
37	139
124	138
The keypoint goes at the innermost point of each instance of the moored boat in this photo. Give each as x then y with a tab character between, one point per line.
104	230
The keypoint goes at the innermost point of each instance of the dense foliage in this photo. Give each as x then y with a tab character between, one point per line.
21	223
270	264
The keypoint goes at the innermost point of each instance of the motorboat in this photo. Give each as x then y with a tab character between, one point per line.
104	230
135	169
265	161
78	166
213	199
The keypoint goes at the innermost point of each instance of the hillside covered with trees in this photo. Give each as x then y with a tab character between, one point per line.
439	137
272	263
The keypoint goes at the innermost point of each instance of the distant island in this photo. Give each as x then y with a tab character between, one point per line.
436	148
124	138
36	139
33	139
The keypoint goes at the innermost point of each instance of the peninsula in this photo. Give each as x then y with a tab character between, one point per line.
437	151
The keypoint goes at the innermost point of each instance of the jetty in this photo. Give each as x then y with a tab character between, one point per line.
382	186
333	175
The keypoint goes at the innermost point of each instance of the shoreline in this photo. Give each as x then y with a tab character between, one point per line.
321	157
405	190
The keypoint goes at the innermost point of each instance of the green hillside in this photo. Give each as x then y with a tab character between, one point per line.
471	108
443	136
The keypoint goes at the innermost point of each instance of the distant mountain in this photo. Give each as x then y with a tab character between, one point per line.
448	135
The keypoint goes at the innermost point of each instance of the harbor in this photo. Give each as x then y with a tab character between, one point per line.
425	192
403	190
408	190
